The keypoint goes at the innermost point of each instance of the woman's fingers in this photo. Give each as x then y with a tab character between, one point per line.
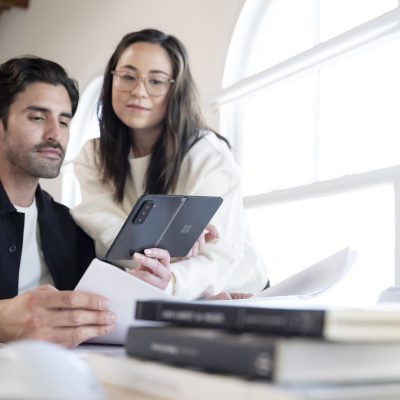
211	233
160	254
153	267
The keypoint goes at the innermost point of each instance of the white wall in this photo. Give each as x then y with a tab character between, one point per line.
81	35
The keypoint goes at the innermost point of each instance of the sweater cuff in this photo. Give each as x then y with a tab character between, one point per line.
170	289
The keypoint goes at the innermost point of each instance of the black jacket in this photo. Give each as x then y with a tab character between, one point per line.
66	248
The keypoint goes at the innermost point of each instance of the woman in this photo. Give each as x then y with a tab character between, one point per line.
153	140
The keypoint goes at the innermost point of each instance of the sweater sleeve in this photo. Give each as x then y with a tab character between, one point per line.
231	264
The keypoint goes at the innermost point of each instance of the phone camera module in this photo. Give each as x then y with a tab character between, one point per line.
143	212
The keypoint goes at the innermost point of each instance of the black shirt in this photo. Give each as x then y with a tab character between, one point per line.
67	249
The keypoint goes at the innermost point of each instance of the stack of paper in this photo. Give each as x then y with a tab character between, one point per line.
123	289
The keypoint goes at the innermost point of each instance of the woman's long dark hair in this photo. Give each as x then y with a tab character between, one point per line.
182	128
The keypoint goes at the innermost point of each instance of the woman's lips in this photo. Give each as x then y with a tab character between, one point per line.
138	107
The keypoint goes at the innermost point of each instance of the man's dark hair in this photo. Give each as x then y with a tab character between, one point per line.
17	73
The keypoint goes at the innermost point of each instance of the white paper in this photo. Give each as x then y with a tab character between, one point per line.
315	279
123	289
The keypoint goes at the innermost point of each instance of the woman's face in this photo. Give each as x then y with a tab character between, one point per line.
139	110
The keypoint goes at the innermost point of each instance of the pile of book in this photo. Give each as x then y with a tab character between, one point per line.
204	350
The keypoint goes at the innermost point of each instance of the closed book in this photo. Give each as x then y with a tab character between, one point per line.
278	359
156	380
378	323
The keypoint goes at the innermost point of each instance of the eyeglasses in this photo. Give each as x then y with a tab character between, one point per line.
155	85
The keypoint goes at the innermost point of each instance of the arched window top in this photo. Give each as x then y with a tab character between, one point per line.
270	32
85	124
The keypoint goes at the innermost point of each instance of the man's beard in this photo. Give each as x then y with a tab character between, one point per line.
31	163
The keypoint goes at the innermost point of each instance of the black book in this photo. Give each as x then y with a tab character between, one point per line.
277	359
372	324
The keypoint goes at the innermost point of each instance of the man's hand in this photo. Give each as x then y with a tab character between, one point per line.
64	317
153	267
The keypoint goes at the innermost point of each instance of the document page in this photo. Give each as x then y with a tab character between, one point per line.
123	289
315	279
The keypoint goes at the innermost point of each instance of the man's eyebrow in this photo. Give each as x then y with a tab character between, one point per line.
46	110
66	115
153	71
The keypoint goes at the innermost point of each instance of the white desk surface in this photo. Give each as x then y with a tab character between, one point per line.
113	392
116	393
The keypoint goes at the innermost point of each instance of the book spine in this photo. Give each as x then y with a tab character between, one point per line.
288	322
240	354
173	383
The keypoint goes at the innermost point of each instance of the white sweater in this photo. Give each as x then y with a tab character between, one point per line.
230	264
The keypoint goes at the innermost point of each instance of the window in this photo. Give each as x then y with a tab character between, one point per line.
85	126
312	113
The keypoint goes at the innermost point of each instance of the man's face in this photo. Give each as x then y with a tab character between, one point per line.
37	133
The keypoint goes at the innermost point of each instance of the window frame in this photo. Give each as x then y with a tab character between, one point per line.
379	30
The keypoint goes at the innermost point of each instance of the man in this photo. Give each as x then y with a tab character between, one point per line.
43	253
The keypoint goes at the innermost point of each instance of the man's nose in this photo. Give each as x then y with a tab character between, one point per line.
53	131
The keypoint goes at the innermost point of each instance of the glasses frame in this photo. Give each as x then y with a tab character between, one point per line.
144	79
